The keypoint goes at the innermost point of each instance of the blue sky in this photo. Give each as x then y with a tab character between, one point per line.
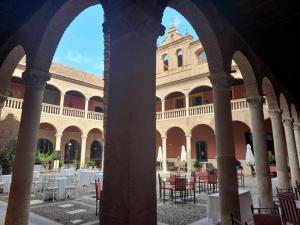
82	44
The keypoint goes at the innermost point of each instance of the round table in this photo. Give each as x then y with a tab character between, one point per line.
7	182
86	176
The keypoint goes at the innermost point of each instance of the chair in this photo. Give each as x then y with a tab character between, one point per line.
180	187
71	186
99	195
50	187
202	179
163	186
289	210
212	182
266	216
235	221
93	178
191	188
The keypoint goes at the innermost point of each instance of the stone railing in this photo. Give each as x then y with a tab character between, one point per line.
238	104
73	112
95	116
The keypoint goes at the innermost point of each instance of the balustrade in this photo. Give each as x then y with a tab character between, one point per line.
238	104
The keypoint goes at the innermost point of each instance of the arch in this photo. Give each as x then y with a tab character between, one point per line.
284	107
72	129
9	65
174	94
72	151
158	140
174	100
165	60
175	140
96	104
63	17
270	94
204	29
96	151
48	126
51	95
45	146
203	143
74	99
179	54
242	136
95	131
158	104
247	72
200	95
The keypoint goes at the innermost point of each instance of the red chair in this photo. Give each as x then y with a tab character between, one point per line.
99	195
289	211
266	216
202	179
212	182
180	187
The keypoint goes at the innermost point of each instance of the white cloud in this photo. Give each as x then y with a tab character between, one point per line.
77	57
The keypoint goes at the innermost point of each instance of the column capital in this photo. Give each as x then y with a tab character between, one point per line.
58	135
287	121
83	136
221	80
133	18
35	78
3	98
163	137
188	135
256	101
296	125
275	113
62	94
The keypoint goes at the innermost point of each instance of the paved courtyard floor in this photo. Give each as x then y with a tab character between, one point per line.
82	210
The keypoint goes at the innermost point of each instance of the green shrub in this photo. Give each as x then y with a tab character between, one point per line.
45	158
7	156
198	164
90	163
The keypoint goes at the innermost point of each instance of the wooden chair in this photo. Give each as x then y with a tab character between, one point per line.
235	221
163	186
266	216
289	211
99	195
180	187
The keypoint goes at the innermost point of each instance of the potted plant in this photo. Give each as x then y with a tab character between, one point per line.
198	165
45	159
76	163
7	156
61	165
91	164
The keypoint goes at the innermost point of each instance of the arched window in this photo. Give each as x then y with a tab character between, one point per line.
165	59
96	152
201	56
44	146
72	151
179	54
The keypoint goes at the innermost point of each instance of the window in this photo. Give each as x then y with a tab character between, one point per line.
179	54
197	100
201	56
72	151
201	151
179	103
96	152
166	62
98	109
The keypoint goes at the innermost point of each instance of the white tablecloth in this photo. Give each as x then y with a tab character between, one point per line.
213	212
7	182
67	172
274	183
61	183
86	176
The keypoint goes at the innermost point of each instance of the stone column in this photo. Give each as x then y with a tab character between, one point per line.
263	178
164	151
187	104
130	155
280	149
163	109
188	137
2	102
292	151
297	138
83	150
20	191
86	107
227	175
61	104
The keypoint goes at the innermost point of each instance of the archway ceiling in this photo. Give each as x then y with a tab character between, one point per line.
268	26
